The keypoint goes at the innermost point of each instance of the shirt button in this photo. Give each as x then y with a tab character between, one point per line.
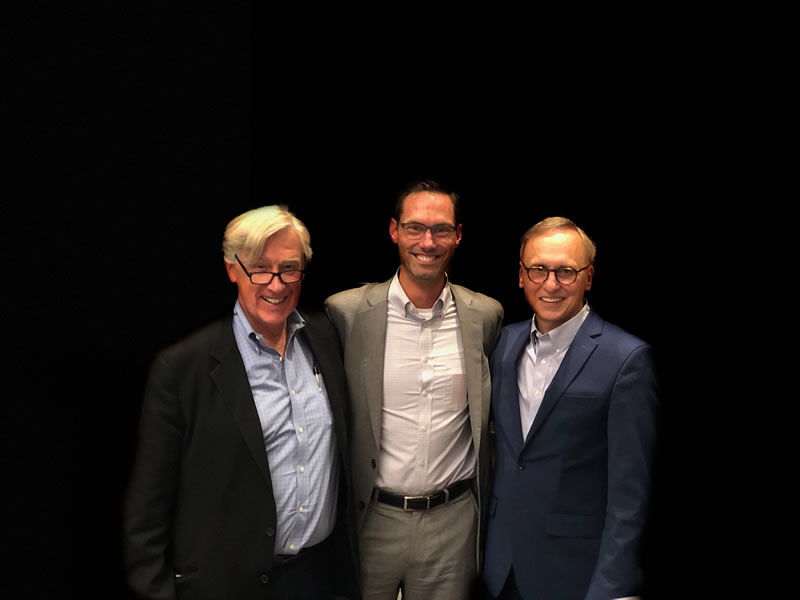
291	546
302	469
300	430
270	532
300	509
424	428
264	578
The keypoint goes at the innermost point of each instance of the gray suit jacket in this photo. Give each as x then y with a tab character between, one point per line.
360	317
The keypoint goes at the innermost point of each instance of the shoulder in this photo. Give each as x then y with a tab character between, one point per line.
616	344
354	298
317	323
612	333
193	351
200	340
512	330
480	301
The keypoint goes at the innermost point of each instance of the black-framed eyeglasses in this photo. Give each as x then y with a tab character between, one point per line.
564	275
266	277
417	230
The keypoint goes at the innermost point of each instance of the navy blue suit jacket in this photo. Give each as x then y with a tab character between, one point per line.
568	504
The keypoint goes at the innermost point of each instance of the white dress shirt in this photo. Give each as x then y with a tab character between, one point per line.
426	441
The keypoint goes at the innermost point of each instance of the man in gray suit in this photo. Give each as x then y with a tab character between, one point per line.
416	359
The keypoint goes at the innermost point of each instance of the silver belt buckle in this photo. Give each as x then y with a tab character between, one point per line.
407	498
426	498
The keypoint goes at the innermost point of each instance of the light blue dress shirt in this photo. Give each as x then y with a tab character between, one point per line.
540	362
297	424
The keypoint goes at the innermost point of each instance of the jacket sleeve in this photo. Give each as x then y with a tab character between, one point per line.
631	444
151	495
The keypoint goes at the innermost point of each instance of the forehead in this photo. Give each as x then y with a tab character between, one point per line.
428	207
284	246
562	247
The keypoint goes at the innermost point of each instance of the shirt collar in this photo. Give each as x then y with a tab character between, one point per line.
562	336
294	324
399	300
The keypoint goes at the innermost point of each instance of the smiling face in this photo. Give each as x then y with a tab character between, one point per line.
424	261
555	303
268	306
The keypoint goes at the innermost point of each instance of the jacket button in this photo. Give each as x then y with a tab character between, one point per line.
270	532
264	578
374	464
521	467
361	505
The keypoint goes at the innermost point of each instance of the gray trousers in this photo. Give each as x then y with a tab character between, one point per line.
428	554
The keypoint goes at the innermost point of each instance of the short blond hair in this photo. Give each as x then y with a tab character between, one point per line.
247	234
559	224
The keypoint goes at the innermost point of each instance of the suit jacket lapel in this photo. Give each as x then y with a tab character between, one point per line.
579	352
371	342
230	378
470	325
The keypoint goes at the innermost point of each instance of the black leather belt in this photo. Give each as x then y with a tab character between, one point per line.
280	560
425	502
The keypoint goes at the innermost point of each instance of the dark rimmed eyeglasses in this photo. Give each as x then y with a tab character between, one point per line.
266	277
564	275
417	230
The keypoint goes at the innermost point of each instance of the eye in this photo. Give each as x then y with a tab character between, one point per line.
415	228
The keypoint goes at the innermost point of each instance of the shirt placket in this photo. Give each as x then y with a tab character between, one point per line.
542	359
303	491
425	402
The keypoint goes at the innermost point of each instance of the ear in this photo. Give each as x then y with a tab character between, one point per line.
393	229
589	277
230	270
458	235
521	275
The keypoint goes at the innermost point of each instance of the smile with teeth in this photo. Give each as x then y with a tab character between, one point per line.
272	300
550	300
426	258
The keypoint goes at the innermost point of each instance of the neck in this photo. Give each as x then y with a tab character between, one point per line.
423	293
276	339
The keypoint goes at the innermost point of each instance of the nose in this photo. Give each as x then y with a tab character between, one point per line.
276	283
551	282
427	240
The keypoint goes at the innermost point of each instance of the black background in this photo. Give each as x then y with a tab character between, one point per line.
660	131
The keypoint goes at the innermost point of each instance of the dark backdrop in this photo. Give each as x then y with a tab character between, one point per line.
659	131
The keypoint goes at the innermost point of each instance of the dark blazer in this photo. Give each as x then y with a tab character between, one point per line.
199	518
569	503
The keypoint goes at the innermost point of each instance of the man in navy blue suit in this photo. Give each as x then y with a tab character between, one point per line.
574	401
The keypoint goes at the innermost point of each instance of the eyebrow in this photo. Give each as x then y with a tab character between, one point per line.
289	264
